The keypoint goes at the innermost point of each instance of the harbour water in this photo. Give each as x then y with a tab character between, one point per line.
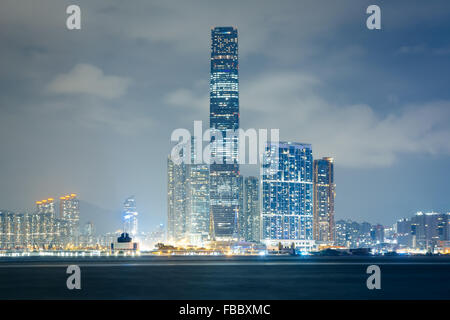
207	277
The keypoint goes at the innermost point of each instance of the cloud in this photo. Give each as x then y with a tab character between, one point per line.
422	48
353	134
132	123
164	45
90	80
185	97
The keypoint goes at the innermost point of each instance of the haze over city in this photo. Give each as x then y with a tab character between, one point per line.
92	111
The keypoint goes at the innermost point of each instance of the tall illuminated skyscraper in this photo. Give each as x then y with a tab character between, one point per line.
130	222
286	195
324	194
224	116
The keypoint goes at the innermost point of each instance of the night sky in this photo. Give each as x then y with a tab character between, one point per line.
91	111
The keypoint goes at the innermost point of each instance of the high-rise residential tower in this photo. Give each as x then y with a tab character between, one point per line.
324	194
224	118
130	222
286	195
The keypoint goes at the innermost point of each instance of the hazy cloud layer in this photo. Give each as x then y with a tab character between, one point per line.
353	134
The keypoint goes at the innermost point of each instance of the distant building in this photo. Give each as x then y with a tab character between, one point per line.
158	235
377	234
20	230
352	234
130	216
150	239
287	195
87	237
197	200
88	229
176	201
249	222
170	199
403	232
188	197
423	230
13	230
69	211
324	194
46	206
224	116
124	245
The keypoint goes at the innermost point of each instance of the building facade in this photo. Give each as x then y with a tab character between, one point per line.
249	222
176	201
13	230
31	230
324	195
188	200
287	195
69	211
130	216
46	206
352	234
45	226
224	118
423	231
197	202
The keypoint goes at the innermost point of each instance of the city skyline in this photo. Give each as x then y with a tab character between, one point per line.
223	159
54	139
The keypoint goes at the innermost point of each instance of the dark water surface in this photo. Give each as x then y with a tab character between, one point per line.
225	278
